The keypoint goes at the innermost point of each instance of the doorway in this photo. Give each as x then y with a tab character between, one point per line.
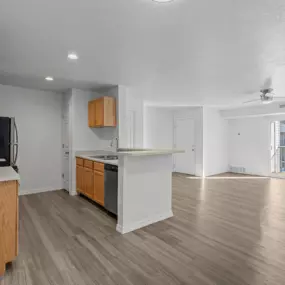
65	144
184	138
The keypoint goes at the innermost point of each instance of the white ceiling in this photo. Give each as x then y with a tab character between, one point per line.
59	85
186	52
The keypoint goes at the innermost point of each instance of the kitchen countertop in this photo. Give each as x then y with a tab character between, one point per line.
112	162
144	152
129	152
8	174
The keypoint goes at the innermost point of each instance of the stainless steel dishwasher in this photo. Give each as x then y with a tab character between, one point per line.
111	188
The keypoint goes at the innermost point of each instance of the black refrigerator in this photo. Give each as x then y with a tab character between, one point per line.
8	142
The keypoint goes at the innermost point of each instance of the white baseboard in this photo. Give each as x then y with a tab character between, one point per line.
123	229
35	191
251	173
277	176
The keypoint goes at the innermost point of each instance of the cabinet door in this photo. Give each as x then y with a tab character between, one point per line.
8	223
99	187
91	114
79	179
109	112
99	112
88	182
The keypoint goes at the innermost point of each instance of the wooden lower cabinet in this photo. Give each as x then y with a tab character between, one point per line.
79	178
8	223
90	182
99	187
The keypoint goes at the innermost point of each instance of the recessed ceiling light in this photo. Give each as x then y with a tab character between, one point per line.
162	1
49	78
72	56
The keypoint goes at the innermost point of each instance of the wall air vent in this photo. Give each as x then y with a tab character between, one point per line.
237	169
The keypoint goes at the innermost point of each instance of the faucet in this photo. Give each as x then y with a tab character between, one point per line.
117	143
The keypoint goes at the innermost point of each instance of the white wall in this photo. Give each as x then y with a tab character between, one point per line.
38	117
139	179
123	128
131	117
215	139
158	127
249	144
197	115
254	111
84	138
211	135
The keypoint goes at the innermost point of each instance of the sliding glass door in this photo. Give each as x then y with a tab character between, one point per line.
278	147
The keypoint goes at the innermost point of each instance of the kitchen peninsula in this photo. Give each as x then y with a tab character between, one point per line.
144	185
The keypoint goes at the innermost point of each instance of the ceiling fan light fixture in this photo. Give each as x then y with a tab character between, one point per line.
267	101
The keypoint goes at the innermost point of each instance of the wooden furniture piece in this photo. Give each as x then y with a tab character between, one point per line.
99	166
88	183
84	177
79	175
90	179
99	183
8	223
102	112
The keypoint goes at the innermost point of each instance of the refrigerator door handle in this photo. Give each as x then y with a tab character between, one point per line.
16	154
16	133
15	144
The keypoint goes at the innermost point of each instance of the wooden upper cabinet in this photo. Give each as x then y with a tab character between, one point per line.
102	112
99	112
91	114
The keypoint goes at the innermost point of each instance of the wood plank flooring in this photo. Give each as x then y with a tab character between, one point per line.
225	231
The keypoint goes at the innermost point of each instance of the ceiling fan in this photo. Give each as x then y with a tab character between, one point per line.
266	94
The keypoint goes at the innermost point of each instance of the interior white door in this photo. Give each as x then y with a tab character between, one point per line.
184	138
65	146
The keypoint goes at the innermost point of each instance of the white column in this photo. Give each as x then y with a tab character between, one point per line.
145	191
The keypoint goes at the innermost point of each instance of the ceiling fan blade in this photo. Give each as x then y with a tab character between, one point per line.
278	97
250	92
255	100
265	89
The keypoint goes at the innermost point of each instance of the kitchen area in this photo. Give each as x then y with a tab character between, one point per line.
102	161
135	184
